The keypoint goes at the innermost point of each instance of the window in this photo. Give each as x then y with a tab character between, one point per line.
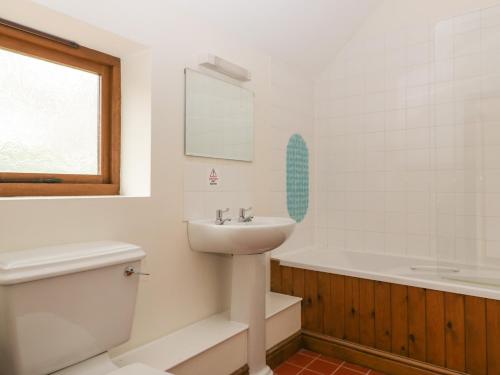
59	117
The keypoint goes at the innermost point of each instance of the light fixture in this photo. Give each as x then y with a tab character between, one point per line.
225	67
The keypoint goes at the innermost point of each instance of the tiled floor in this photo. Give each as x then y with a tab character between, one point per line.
305	362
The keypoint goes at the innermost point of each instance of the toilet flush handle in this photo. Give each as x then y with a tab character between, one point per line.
129	271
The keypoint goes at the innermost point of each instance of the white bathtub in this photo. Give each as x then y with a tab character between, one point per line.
455	278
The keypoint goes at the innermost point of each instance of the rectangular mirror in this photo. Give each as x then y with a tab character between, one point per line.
218	118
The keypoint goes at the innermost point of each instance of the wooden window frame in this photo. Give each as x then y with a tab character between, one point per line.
109	69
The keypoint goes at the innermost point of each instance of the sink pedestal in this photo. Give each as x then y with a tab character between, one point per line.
248	242
248	305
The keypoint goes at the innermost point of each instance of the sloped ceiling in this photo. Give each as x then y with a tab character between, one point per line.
304	33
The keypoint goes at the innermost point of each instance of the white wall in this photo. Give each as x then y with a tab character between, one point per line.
184	286
393	175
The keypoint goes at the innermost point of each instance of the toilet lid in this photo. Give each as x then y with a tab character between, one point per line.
138	369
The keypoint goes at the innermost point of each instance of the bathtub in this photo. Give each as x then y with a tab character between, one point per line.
448	277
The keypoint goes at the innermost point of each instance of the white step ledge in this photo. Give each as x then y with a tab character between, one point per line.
178	347
276	303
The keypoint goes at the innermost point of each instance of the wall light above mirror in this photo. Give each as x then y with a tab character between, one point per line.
219	118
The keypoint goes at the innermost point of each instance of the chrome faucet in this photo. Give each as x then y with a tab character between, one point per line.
242	218
219	216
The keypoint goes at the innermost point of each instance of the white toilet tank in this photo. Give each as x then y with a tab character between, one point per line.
64	304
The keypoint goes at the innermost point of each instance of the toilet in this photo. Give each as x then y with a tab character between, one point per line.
63	307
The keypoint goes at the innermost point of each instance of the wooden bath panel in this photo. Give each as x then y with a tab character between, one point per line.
453	331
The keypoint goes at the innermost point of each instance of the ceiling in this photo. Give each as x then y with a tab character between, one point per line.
303	33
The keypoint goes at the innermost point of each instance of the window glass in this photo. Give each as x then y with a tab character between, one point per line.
49	117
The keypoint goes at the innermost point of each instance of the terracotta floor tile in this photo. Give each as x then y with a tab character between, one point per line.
300	359
323	367
346	371
373	372
308	372
351	366
308	352
287	369
331	359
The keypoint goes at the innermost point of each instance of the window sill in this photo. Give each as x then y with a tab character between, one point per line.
63	189
72	197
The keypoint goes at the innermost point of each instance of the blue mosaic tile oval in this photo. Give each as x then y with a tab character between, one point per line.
297	178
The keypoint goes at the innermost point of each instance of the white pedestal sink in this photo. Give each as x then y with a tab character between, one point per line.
248	243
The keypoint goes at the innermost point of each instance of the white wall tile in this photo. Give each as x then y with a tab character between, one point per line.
417	138
375	242
467	22
396	78
493	249
443	70
395	119
395	140
395	99
468	66
441	92
194	207
375	161
467	43
396	40
418	54
418	202
490	16
354	240
396	202
374	122
417	96
418	224
490	38
418	75
492	228
418	117
395	243
418	245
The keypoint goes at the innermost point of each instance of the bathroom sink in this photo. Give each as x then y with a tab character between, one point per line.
256	237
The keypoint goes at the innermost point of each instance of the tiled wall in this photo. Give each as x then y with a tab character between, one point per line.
408	140
373	125
467	135
291	112
233	190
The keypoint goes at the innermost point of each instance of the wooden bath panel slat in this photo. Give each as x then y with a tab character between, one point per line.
435	327
338	305
416	323
493	336
298	287
367	312
325	302
351	309
399	319
275	276
383	316
475	336
455	331
312	317
286	280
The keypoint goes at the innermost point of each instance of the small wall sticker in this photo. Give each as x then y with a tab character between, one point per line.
213	177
